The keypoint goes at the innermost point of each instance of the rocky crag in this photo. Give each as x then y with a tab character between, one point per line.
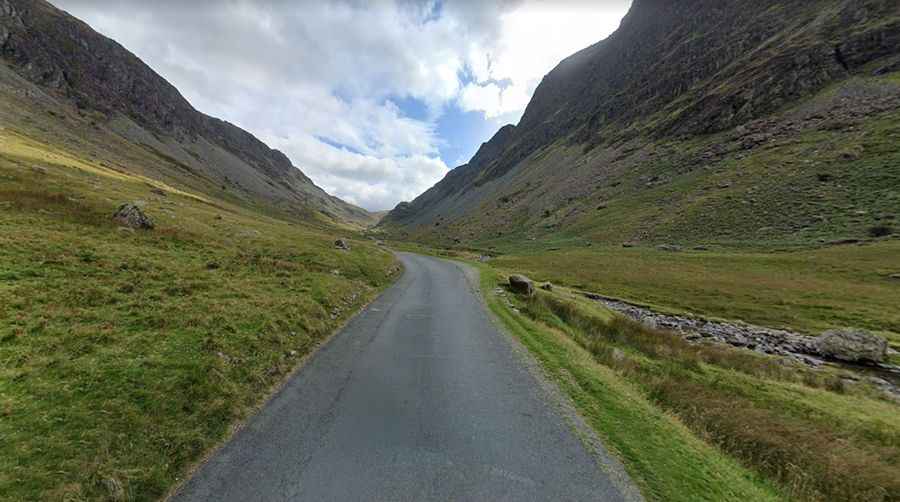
681	87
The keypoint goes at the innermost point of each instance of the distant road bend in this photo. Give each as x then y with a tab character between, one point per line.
420	397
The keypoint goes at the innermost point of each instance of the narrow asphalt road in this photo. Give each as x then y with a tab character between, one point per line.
420	397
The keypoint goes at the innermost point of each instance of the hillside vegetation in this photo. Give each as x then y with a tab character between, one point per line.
125	354
53	64
696	122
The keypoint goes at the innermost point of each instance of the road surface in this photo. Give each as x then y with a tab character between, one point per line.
420	397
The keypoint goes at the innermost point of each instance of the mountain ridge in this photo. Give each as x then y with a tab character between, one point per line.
95	74
674	71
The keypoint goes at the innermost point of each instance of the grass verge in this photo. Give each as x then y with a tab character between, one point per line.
695	423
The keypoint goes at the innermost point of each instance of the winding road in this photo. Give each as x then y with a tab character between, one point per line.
419	397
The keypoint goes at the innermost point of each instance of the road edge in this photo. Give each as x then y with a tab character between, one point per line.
275	390
557	398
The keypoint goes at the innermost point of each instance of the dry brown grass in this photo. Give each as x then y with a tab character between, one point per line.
812	461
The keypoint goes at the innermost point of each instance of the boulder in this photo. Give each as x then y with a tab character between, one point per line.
547	286
521	285
131	216
342	244
852	345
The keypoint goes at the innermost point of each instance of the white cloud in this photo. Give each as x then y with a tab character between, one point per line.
306	76
533	38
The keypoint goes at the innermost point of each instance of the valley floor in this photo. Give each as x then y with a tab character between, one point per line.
710	422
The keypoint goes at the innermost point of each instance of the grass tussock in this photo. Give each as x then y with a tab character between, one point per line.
767	415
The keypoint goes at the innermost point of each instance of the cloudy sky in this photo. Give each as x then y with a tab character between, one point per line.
374	100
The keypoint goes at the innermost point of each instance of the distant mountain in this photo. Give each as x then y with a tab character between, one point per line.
696	120
65	65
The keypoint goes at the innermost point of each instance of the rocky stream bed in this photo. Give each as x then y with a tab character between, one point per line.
787	344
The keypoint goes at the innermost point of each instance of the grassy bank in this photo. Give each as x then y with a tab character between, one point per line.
125	355
663	457
808	290
708	423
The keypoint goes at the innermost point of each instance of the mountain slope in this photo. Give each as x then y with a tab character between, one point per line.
68	69
679	125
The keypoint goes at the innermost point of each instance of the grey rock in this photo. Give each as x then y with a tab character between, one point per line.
672	248
852	345
342	244
521	285
547	286
131	216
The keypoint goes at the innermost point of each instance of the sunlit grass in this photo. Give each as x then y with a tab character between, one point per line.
125	355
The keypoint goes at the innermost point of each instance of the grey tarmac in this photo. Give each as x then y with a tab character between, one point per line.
419	397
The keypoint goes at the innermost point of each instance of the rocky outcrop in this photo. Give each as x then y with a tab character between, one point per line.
521	285
852	345
132	216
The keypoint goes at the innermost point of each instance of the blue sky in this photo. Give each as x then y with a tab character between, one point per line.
461	132
375	101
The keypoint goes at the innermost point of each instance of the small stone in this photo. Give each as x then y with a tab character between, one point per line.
547	286
342	244
672	248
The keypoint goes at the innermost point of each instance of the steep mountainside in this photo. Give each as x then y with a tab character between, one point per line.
696	120
53	63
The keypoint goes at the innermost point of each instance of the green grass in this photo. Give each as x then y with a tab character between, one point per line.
807	290
124	356
663	457
705	422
